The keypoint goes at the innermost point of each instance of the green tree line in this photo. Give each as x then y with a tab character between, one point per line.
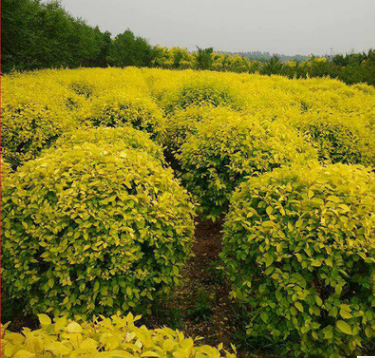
43	35
39	35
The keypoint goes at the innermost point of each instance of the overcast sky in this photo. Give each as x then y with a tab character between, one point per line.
277	26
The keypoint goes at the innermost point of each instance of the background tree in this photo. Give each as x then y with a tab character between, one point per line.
204	58
129	50
39	35
19	37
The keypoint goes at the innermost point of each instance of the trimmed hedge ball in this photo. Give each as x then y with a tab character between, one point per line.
299	249
90	231
340	138
124	108
119	138
203	92
224	151
183	123
27	128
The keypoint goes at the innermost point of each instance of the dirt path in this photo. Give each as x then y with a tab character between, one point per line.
201	306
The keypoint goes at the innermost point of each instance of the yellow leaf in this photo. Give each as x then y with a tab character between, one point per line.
74	327
24	354
44	319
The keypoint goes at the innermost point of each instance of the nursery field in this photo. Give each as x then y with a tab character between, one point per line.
142	207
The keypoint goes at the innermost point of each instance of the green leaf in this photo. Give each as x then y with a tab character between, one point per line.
264	317
369	332
279	296
333	312
345	314
269	260
175	270
338	289
51	282
316	263
328	332
318	301
344	327
299	306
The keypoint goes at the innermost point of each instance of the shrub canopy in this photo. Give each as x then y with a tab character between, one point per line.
183	123
89	231
119	109
225	150
299	249
6	171
27	128
116	138
206	91
340	138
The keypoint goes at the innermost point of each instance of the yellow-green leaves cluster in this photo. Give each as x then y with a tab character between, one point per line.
228	148
206	91
97	224
93	230
115	109
340	138
103	337
299	249
118	138
6	171
27	128
182	123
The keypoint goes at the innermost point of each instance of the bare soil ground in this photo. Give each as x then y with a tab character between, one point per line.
201	306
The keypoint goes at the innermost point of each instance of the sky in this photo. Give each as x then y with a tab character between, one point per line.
278	26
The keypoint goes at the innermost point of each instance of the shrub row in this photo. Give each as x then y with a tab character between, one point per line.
98	224
38	107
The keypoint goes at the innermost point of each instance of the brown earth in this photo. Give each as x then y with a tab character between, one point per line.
201	306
